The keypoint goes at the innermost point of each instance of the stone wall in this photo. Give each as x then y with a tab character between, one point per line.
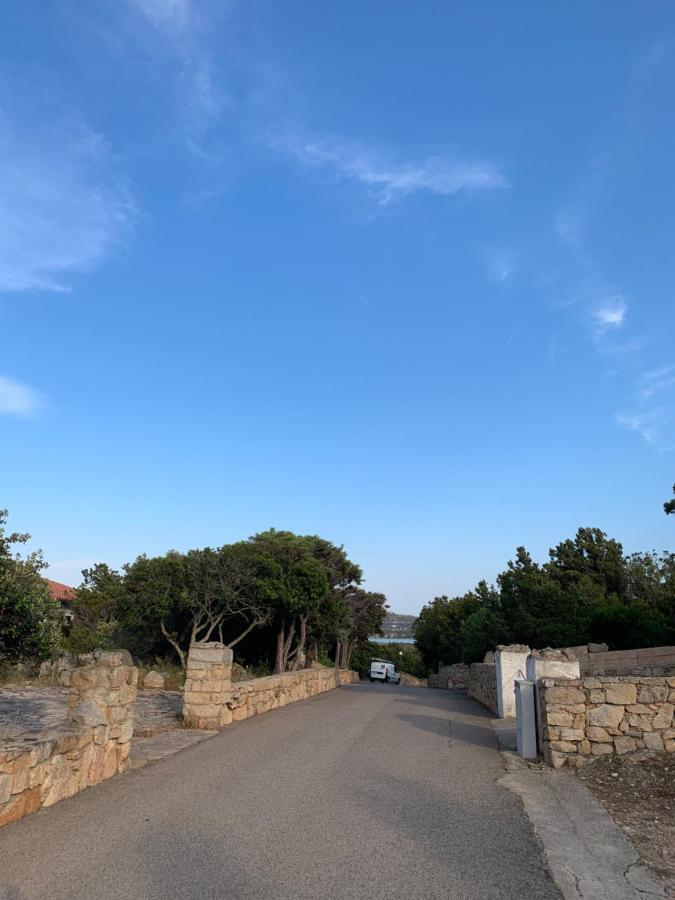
596	659
455	676
483	684
211	700
260	695
582	719
92	745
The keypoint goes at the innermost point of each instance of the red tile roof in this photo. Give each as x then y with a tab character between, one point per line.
59	591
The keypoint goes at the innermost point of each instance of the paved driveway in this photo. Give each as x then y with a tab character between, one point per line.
370	791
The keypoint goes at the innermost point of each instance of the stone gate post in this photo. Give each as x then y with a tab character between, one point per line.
102	697
510	663
208	686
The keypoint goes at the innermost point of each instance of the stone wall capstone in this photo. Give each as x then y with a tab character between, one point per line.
598	659
582	719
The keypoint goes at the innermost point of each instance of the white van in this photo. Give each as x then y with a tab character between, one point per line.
380	670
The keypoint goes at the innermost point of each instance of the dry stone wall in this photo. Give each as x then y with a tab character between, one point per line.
260	695
597	659
483	684
88	748
455	676
582	719
212	701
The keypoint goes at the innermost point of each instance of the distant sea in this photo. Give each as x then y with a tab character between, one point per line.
386	640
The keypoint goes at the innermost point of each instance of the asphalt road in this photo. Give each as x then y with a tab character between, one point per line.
370	791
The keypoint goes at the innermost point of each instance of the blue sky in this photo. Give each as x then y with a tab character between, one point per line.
400	274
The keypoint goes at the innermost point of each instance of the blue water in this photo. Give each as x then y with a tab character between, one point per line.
385	640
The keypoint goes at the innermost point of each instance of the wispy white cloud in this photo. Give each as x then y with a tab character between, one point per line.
388	180
657	380
17	399
62	207
181	32
655	426
610	314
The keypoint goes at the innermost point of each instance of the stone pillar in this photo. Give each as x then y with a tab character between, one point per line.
102	697
208	686
510	662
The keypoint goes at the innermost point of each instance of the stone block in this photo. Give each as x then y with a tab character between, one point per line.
644	723
597	734
605	716
211	652
652	693
572	734
36	775
640	709
620	694
664	717
154	680
602	749
5	787
596	696
20	776
21	805
60	781
558	760
564	696
653	741
561	717
584	747
127	694
563	746
591	683
626	744
90	712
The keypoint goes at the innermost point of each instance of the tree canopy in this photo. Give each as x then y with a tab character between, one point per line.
587	590
278	596
30	621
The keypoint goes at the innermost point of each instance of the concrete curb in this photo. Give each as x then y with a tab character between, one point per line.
588	855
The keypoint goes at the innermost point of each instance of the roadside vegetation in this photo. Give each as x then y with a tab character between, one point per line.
587	590
280	600
406	658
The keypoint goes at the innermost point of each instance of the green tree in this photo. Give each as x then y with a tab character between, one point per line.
301	584
365	612
30	621
196	596
95	609
669	505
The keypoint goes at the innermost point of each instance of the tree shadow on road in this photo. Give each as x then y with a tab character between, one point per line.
452	728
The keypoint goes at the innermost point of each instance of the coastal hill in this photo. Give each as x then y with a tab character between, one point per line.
398	626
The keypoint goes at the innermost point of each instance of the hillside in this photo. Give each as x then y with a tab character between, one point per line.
398	626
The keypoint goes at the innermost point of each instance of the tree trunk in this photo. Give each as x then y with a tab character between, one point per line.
345	655
312	655
279	664
300	649
176	646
